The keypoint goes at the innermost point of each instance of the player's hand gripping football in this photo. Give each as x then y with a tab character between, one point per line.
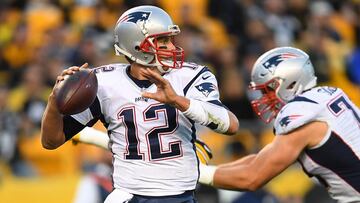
165	92
75	89
69	71
61	77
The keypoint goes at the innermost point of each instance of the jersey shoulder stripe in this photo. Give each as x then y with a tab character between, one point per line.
203	70
218	103
302	99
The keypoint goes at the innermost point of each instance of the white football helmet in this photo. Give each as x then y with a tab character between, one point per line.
280	74
136	34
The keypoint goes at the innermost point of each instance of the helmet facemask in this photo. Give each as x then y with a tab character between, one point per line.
163	57
268	105
280	74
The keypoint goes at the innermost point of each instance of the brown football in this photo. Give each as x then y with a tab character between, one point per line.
77	92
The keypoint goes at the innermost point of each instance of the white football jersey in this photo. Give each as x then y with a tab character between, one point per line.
152	143
335	161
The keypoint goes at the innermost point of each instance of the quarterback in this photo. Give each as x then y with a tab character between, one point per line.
149	107
318	126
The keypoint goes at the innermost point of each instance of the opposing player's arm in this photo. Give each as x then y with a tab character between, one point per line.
253	172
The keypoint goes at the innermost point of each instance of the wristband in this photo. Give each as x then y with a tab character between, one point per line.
196	112
208	114
207	174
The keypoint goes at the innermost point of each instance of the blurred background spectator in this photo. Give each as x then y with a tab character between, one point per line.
39	38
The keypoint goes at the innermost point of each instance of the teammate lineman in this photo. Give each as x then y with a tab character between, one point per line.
317	126
149	108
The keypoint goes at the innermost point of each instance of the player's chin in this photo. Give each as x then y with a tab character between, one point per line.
165	68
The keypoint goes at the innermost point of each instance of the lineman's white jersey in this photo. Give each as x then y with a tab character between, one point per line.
152	143
335	161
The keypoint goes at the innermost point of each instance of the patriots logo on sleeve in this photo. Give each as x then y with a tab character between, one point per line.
274	61
135	17
288	119
206	88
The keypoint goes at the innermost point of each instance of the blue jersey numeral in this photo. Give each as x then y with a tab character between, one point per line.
339	105
127	115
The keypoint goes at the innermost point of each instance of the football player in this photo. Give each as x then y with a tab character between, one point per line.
318	126
149	107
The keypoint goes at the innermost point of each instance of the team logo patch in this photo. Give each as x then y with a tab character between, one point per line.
288	119
135	17
206	88
274	61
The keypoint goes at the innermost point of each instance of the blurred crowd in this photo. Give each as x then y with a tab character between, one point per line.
40	38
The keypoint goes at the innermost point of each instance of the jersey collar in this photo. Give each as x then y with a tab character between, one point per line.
139	83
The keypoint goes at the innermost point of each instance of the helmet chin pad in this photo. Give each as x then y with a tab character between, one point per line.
162	70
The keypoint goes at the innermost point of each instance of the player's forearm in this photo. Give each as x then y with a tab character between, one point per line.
212	115
234	124
245	160
255	171
52	135
235	177
181	103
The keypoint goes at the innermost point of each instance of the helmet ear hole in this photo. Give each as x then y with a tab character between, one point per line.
291	85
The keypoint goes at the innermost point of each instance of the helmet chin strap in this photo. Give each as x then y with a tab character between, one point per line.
160	67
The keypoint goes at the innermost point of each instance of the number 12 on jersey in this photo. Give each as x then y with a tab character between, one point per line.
153	137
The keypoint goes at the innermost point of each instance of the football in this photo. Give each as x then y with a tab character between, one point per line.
76	92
